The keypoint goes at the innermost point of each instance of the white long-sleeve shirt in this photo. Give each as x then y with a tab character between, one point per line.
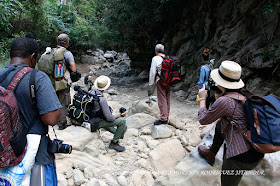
155	68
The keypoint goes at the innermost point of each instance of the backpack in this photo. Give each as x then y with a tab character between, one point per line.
13	133
82	108
53	64
263	117
170	71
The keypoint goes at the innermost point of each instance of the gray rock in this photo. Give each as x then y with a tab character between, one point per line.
78	177
88	173
61	180
161	131
166	155
141	177
122	180
139	120
93	182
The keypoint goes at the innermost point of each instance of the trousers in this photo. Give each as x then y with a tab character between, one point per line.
115	127
163	96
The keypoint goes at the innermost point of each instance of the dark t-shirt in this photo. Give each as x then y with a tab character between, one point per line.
47	101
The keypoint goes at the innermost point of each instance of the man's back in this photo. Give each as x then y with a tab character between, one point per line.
47	101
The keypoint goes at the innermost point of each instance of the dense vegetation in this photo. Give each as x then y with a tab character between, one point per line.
119	24
123	25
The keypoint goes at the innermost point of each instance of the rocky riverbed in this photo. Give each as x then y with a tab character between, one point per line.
155	155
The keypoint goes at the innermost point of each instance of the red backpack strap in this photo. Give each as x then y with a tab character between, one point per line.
16	79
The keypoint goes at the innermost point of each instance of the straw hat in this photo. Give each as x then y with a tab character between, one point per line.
228	75
102	82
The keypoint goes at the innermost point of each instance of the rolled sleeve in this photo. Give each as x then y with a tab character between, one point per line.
217	110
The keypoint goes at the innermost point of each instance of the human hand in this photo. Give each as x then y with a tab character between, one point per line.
124	114
202	93
151	90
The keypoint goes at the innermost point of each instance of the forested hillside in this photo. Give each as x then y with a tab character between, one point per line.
246	31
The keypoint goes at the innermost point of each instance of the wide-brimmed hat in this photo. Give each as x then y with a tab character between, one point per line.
228	75
102	82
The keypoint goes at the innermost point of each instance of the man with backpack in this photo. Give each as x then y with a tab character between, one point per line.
104	118
38	108
59	65
163	92
64	94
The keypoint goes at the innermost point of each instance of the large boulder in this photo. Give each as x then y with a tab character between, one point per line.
141	177
147	106
139	120
166	155
194	170
161	131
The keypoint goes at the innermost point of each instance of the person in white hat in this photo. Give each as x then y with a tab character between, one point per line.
115	124
239	154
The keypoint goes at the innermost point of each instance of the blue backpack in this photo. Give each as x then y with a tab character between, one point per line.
263	117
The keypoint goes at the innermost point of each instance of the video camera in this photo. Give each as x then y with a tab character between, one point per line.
79	89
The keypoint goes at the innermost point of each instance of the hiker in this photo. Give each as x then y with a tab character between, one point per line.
115	124
205	55
204	73
204	79
64	94
163	93
88	80
23	53
239	154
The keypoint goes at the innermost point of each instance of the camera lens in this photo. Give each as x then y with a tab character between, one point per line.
122	110
65	148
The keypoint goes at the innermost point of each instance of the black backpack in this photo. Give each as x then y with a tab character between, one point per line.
82	108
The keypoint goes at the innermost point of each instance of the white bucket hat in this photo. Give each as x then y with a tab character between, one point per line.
102	82
228	75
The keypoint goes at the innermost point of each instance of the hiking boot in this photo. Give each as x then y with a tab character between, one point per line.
124	130
206	154
160	122
116	146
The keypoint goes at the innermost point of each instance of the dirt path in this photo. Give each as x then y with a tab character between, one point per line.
137	91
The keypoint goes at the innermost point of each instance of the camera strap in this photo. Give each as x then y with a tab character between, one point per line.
54	132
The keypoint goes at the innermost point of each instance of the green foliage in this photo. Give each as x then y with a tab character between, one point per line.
269	7
119	24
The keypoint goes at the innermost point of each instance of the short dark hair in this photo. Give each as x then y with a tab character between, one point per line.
24	46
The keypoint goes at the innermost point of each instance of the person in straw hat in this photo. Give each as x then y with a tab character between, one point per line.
239	154
115	124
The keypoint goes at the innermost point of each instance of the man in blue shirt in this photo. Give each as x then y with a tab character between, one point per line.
24	52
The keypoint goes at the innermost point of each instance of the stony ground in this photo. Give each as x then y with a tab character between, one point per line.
99	164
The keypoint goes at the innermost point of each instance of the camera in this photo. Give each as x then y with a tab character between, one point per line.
56	146
122	111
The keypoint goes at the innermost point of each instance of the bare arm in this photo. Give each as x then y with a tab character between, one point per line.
72	66
51	118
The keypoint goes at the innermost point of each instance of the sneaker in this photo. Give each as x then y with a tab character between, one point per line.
124	130
86	125
116	146
206	154
160	122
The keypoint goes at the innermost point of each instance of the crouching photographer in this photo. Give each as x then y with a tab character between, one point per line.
115	124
